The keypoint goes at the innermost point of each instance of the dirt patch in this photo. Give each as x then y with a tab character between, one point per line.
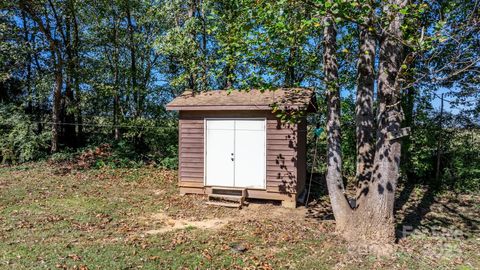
263	211
252	212
175	224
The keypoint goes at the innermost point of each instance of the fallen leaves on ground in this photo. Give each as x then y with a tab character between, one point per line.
68	220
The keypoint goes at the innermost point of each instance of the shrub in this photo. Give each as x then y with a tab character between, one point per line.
19	139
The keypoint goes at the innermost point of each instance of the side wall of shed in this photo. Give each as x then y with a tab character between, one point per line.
302	155
282	146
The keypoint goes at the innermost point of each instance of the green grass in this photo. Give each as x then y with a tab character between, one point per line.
99	219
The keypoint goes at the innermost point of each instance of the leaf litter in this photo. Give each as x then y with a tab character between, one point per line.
140	209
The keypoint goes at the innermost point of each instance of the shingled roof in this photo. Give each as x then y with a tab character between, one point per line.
284	98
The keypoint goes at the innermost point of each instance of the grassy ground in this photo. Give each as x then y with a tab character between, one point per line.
134	218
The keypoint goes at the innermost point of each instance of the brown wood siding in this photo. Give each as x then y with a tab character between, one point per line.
302	155
281	157
190	151
282	163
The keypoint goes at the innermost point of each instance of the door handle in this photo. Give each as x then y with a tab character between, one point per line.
232	158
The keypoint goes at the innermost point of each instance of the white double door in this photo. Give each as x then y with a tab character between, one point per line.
235	153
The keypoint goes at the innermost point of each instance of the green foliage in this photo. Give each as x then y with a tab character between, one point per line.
19	140
348	140
461	161
349	146
123	60
66	155
142	142
151	141
460	158
459	151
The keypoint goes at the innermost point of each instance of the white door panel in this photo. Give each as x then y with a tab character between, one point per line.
219	169
235	153
250	153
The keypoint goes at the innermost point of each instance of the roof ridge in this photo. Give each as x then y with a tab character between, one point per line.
252	99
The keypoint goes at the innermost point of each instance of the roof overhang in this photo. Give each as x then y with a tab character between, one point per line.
229	108
309	103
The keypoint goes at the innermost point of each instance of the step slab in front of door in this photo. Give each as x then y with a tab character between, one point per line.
235	153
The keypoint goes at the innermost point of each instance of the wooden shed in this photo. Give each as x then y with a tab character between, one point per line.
234	141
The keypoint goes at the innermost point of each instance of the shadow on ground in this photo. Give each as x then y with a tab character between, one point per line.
316	198
419	209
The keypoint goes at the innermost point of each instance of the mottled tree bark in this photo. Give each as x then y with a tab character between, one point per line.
371	220
374	213
364	102
340	206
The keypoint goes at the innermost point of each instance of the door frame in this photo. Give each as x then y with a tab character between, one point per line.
205	119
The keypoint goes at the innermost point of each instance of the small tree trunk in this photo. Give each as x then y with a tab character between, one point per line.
28	64
408	101
57	96
133	63
439	143
116	101
69	116
192	79
340	206
38	98
76	77
204	49
229	80
290	67
57	63
116	82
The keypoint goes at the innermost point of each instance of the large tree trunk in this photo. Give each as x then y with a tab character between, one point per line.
340	206
363	105
371	219
374	215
